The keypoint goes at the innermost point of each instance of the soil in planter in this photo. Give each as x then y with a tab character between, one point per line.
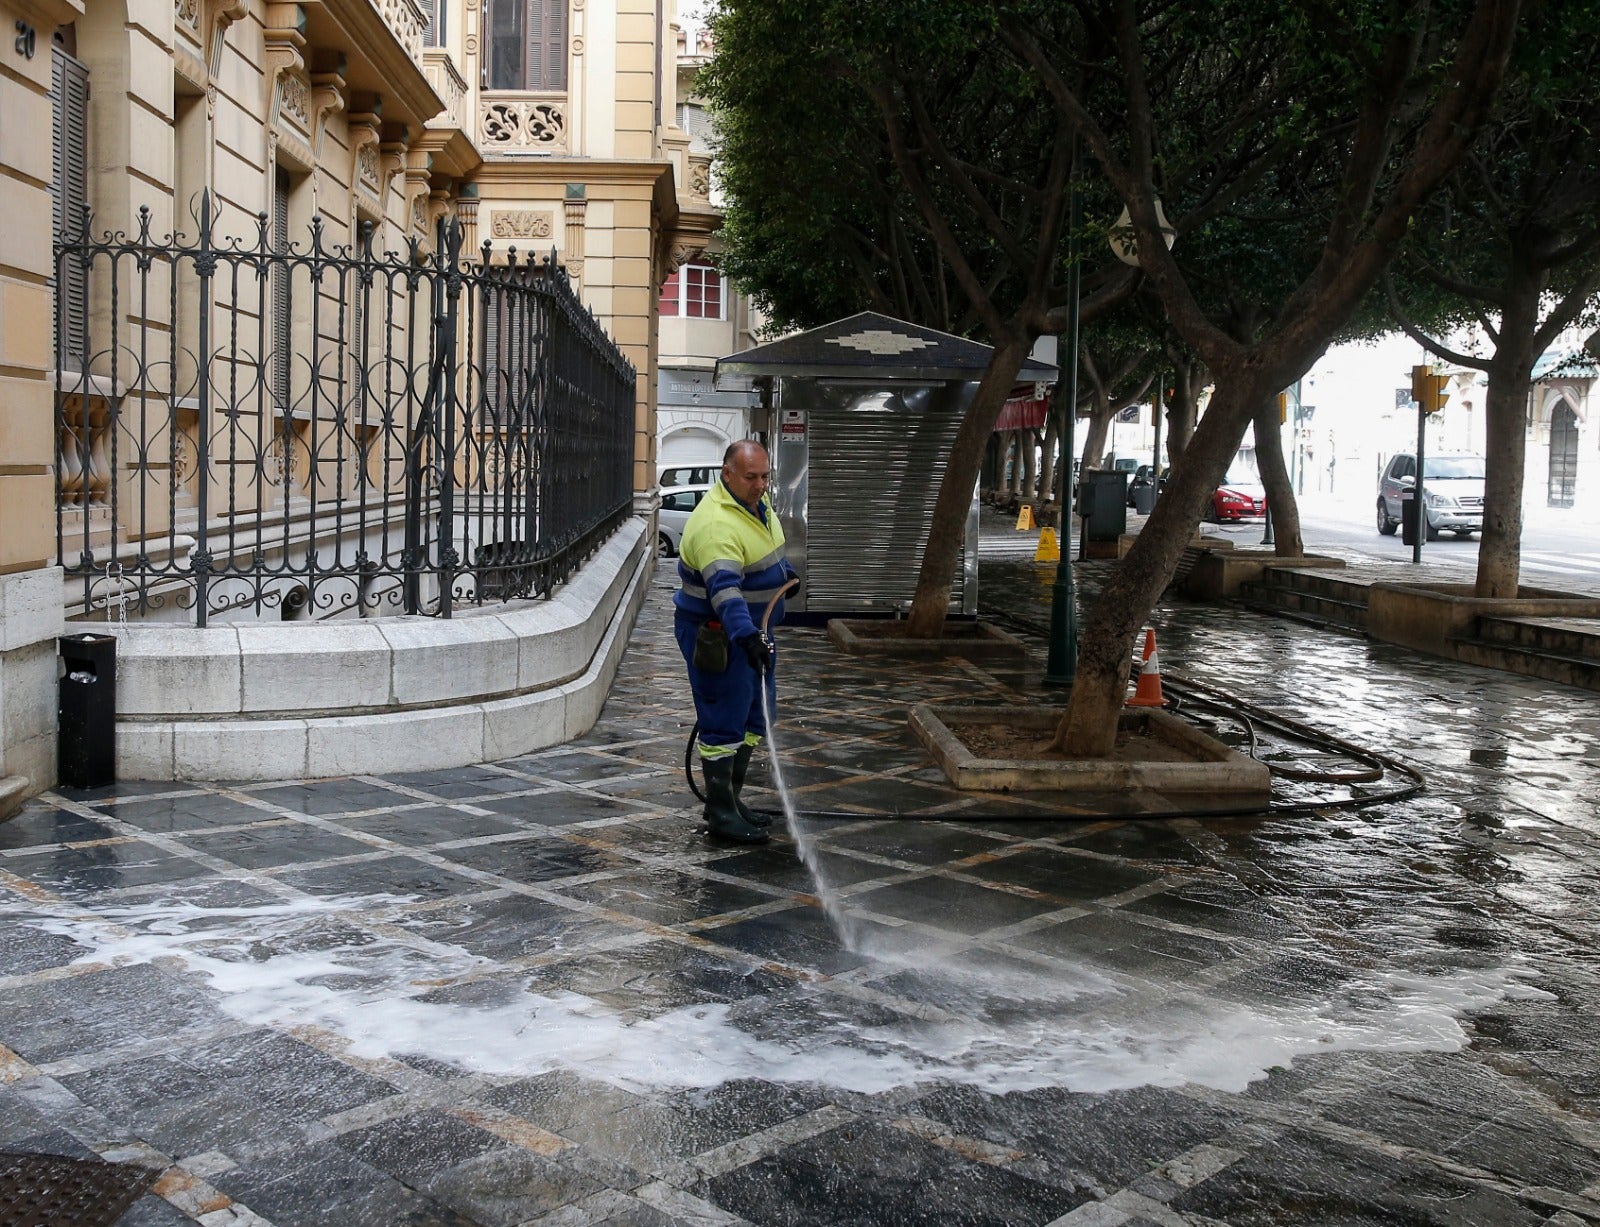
1002	741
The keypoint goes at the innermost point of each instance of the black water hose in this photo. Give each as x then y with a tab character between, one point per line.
1381	763
1375	767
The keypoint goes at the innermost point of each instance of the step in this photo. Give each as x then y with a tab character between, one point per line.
1312	604
1581	672
1320	582
1577	638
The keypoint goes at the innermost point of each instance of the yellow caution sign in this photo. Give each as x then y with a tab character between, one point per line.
1048	550
1025	519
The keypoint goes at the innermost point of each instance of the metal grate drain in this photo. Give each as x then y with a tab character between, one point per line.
54	1191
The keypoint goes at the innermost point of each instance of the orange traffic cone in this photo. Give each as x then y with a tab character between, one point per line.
1148	692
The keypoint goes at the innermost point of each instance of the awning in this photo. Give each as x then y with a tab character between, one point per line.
1023	413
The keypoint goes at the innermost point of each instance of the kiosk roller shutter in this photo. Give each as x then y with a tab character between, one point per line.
869	506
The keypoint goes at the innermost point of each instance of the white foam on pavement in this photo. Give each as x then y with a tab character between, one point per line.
313	962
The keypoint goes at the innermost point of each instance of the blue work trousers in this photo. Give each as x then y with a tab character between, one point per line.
727	704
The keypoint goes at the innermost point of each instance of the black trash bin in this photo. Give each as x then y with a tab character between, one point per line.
87	715
1408	518
1103	504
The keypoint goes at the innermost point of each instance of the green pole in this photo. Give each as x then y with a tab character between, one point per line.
1061	665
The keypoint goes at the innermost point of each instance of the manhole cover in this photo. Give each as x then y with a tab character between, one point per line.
53	1191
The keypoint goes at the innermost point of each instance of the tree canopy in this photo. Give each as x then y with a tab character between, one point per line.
1292	146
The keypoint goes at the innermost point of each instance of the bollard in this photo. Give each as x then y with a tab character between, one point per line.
87	712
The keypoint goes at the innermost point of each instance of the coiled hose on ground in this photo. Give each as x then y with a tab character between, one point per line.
1375	767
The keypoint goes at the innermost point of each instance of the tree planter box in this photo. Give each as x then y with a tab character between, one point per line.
1162	753
975	641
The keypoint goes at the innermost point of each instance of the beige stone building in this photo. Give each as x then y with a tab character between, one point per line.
543	128
703	316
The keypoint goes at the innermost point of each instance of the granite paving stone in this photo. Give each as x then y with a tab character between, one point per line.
535	992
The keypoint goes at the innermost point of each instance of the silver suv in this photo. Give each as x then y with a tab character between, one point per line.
1452	489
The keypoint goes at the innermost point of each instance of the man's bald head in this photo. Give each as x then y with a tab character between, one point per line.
746	471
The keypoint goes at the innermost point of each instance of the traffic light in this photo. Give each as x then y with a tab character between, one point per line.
1428	389
1283	407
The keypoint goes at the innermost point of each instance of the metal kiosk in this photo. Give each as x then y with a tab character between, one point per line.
859	416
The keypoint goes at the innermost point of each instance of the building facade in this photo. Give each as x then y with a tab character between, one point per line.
260	145
703	317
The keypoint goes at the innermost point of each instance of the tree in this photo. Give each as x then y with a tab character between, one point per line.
962	171
1394	97
1513	245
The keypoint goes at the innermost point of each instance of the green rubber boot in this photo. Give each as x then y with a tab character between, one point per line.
741	764
722	805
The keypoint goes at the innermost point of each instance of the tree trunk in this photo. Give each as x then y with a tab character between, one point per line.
1281	503
1182	410
1047	461
1094	438
1500	550
993	467
931	603
1105	647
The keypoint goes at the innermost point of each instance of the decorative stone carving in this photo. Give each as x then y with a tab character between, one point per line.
684	253
506	124
188	14
700	178
368	173
577	210
521	224
294	98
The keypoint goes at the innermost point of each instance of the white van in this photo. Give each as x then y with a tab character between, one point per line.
1452	488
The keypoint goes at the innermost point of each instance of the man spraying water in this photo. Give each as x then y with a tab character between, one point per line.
732	578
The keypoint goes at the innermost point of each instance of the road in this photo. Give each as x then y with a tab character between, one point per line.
1560	549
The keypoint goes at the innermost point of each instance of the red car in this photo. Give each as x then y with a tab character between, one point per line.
1240	494
1238	500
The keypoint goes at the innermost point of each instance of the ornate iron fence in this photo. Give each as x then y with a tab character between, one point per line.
304	431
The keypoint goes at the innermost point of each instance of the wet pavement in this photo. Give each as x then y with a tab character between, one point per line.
532	992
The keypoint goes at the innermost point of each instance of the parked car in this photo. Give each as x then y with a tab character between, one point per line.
676	504
1452	490
689	475
1239	496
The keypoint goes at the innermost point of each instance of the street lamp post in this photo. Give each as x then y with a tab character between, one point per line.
1061	663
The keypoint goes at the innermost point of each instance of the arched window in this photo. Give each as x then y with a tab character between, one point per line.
526	45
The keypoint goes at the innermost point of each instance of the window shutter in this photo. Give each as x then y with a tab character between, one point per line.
433	32
70	158
547	44
556	44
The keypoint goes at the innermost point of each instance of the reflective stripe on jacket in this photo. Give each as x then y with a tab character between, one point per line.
731	564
